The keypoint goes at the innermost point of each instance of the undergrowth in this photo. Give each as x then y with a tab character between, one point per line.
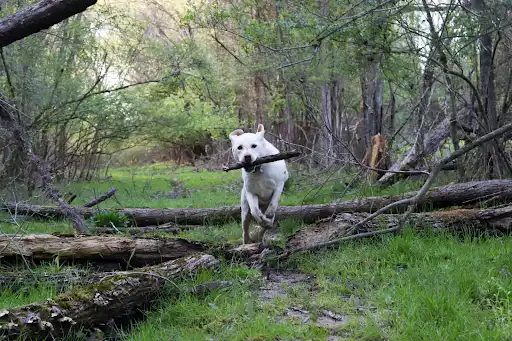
428	286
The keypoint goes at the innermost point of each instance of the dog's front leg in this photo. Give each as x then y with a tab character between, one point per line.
260	219
270	212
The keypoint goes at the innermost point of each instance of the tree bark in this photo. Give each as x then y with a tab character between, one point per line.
37	17
489	220
460	194
131	251
112	297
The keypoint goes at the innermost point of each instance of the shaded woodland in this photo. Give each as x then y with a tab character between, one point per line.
382	89
384	84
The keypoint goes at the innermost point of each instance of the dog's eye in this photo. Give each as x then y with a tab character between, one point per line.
254	146
240	147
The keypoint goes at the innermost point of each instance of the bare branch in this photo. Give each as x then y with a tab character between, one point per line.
101	198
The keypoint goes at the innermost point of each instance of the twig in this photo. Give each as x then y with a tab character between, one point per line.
101	198
412	202
262	160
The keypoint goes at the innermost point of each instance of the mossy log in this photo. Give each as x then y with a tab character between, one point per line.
495	220
124	250
112	297
445	196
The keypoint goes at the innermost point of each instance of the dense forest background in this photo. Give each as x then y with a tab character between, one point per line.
354	83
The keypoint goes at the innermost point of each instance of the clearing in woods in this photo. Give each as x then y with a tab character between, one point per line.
428	286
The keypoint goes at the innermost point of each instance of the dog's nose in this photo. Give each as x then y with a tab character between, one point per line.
247	159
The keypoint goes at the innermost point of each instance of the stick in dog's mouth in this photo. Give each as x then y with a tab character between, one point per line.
261	160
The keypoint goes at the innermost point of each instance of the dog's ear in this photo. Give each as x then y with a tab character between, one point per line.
237	132
261	130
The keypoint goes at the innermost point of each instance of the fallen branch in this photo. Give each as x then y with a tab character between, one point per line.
494	220
101	198
260	161
111	252
37	17
124	250
113	296
445	196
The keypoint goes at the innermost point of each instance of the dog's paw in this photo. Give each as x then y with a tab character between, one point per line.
267	223
270	213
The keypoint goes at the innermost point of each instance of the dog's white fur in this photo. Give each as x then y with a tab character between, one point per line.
262	187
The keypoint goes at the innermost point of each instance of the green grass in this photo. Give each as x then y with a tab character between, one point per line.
228	314
429	286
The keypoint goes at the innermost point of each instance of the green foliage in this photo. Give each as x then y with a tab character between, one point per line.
109	218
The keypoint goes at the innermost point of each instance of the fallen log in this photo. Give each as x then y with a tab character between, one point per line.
260	161
495	220
112	252
125	250
445	196
113	296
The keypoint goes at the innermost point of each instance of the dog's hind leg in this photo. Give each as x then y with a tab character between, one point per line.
246	220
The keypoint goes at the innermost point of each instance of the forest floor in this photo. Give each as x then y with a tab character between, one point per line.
428	286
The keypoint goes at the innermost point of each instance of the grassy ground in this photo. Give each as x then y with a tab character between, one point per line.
432	286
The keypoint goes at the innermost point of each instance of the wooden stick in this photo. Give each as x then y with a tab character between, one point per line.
260	161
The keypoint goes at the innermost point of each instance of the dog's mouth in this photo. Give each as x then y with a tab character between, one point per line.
250	168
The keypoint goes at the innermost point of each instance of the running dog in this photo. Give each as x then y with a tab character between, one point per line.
263	184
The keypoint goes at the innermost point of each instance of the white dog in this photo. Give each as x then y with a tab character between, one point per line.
263	184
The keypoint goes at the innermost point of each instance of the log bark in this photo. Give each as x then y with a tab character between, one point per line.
37	17
125	250
112	297
497	220
445	196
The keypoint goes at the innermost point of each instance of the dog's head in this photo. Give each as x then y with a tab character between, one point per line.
247	147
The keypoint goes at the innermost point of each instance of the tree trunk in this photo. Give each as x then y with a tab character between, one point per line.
431	143
489	220
467	193
37	17
112	297
491	163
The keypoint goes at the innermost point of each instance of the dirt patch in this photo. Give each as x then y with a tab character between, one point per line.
279	282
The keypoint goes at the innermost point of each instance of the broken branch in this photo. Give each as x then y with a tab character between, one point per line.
101	198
